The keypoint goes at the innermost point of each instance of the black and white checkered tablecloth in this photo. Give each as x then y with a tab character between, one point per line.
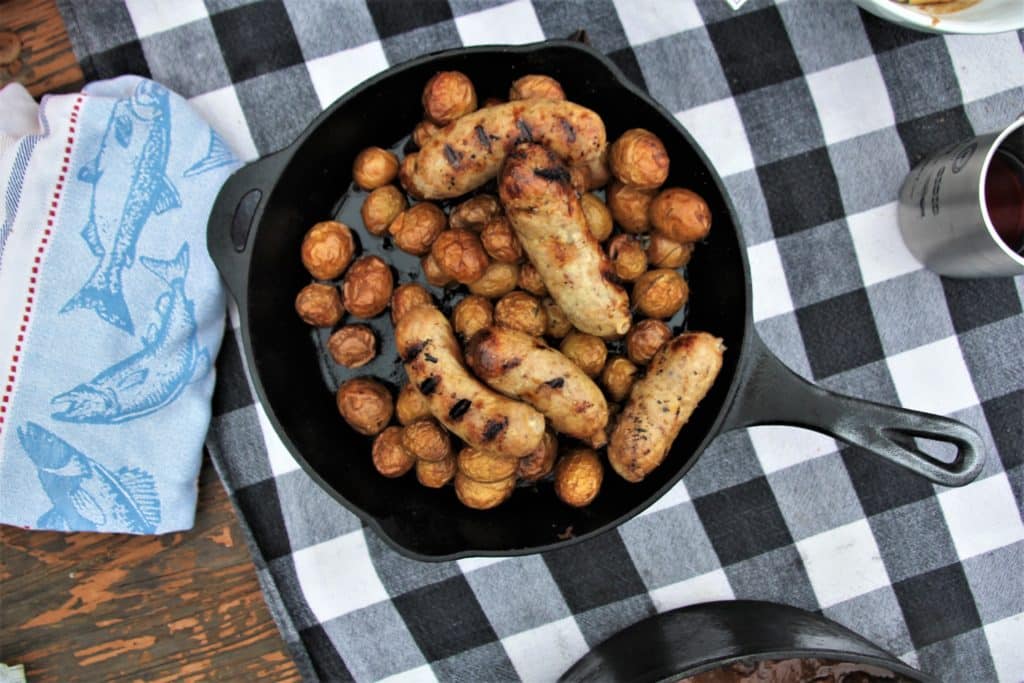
813	112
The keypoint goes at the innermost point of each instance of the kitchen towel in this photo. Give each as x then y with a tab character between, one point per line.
110	308
812	112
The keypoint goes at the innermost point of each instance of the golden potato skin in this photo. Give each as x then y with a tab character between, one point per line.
447	96
629	205
433	273
381	207
638	158
558	324
365	404
475	213
374	167
644	340
597	172
415	229
460	255
660	293
368	286
486	467
536	86
629	260
389	455
521	311
407	173
586	351
539	463
353	346
663	252
618	376
427	440
407	297
529	280
500	241
471	315
411	405
578	477
327	249
435	473
498	280
423	131
483	496
599	218
680	214
319	305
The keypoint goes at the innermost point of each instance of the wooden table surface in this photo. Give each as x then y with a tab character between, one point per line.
88	606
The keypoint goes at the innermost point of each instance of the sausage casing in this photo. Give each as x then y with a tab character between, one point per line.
679	376
481	417
552	229
468	152
524	367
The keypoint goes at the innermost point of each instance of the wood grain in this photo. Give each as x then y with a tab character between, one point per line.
86	606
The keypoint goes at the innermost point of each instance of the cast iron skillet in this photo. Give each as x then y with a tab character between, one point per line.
690	640
263	210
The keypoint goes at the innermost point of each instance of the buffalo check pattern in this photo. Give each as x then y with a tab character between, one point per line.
812	112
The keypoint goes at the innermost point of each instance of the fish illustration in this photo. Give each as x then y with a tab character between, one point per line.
217	154
154	376
130	184
85	494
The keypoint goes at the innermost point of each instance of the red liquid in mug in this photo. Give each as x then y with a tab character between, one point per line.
1004	198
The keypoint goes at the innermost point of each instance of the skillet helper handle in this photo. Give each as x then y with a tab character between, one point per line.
777	395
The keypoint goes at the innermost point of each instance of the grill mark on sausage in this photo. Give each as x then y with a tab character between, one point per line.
558	174
413	351
511	363
429	385
482	136
452	155
459	409
556	383
570	132
525	134
430	359
493	428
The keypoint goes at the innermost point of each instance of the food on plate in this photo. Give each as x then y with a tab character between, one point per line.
435	473
427	440
474	214
477	414
480	495
500	241
460	255
629	260
578	477
381	207
407	297
521	311
599	218
389	455
596	170
530	280
327	249
491	101
680	214
541	460
586	351
618	376
365	404
486	466
374	167
644	340
546	215
629	205
663	252
352	346
432	272
367	287
319	305
411	405
660	403
775	670
471	315
447	96
536	86
638	158
660	293
614	410
526	368
415	229
498	280
468	153
423	131
558	323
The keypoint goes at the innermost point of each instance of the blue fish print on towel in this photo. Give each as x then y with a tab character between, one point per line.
130	183
217	154
85	494
147	380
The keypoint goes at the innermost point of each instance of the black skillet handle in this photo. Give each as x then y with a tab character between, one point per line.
229	230
774	394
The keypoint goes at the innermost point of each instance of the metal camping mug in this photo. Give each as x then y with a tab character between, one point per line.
961	210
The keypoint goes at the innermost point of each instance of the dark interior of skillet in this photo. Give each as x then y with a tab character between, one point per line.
297	378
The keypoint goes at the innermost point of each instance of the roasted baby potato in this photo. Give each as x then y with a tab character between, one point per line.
644	340
529	280
319	305
500	241
665	253
427	440
365	404
475	213
578	477
586	351
389	455
485	466
597	172
660	293
415	229
483	496
558	323
374	167
599	218
460	255
471	315
536	86
411	405
521	311
327	249
423	131
352	346
629	260
618	376
539	463
680	214
638	158
435	473
433	273
367	288
381	207
407	297
498	280
447	96
629	205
